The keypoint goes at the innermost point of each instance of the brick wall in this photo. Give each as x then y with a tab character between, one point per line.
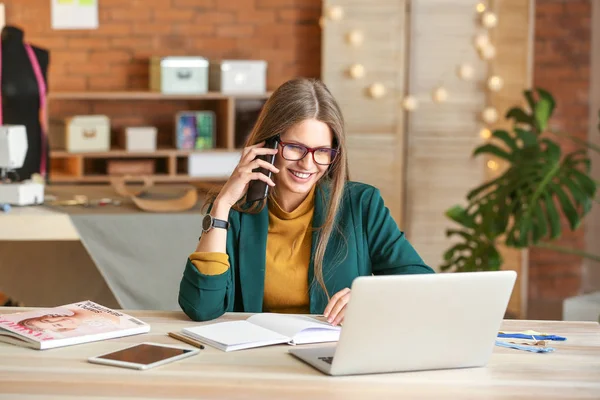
285	33
562	66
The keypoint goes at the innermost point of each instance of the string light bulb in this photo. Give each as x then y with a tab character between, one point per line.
481	41
493	165
480	7
322	22
410	103
489	115
335	13
495	83
357	71
465	72
377	90
488	52
485	133
489	19
440	95
355	38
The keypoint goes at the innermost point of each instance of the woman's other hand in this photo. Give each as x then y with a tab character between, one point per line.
237	184
336	308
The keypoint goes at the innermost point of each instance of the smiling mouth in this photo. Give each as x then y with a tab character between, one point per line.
301	175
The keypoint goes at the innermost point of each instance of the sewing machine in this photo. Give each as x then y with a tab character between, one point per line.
13	148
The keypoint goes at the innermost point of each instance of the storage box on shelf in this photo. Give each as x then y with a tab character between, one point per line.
238	76
131	109
139	138
178	75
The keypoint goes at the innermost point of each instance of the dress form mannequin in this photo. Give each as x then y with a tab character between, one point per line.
21	96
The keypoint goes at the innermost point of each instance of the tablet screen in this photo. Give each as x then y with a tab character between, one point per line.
144	354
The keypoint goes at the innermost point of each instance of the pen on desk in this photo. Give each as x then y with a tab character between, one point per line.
186	340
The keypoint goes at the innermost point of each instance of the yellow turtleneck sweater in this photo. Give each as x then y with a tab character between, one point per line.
287	258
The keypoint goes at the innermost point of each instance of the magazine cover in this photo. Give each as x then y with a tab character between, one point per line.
66	325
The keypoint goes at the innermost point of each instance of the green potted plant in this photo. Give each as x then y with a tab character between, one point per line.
522	207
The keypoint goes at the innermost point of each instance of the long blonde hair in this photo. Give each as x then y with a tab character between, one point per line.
293	102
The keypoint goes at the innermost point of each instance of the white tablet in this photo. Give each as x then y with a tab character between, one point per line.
144	355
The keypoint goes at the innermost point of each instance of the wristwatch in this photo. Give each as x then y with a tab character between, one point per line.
208	222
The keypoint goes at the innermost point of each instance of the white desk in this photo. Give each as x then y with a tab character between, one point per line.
36	223
571	372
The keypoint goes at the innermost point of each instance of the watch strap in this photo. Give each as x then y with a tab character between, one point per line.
219	223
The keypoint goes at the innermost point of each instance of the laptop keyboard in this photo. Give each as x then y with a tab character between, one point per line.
328	360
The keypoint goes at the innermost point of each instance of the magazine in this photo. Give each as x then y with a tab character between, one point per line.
76	323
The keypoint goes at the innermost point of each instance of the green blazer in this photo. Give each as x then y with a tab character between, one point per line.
369	243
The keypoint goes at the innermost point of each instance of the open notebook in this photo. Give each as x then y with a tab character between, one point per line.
264	330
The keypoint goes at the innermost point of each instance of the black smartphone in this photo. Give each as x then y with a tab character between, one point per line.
257	189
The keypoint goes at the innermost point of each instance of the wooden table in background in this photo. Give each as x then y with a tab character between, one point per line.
571	372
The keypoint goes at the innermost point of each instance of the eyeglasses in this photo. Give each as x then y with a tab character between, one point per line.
296	152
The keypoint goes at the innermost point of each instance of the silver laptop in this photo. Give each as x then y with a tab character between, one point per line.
416	322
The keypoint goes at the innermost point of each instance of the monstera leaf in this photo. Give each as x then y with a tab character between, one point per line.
474	252
541	110
522	206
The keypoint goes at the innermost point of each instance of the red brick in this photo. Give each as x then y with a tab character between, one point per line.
275	30
561	65
48	42
194	29
550	30
275	3
125	15
88	69
208	4
276	55
300	15
579	8
214	45
114	29
104	15
89	43
67	83
251	43
256	17
152	28
235	30
110	56
109	4
214	17
68	56
551	8
585	23
131	43
138	83
108	82
172	42
173	15
559	287
62	109
237	6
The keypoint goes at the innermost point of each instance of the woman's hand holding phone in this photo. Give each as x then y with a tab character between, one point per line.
235	188
237	184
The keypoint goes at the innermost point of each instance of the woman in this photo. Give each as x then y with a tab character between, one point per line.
299	250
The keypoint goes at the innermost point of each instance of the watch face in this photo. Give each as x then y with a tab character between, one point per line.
206	222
